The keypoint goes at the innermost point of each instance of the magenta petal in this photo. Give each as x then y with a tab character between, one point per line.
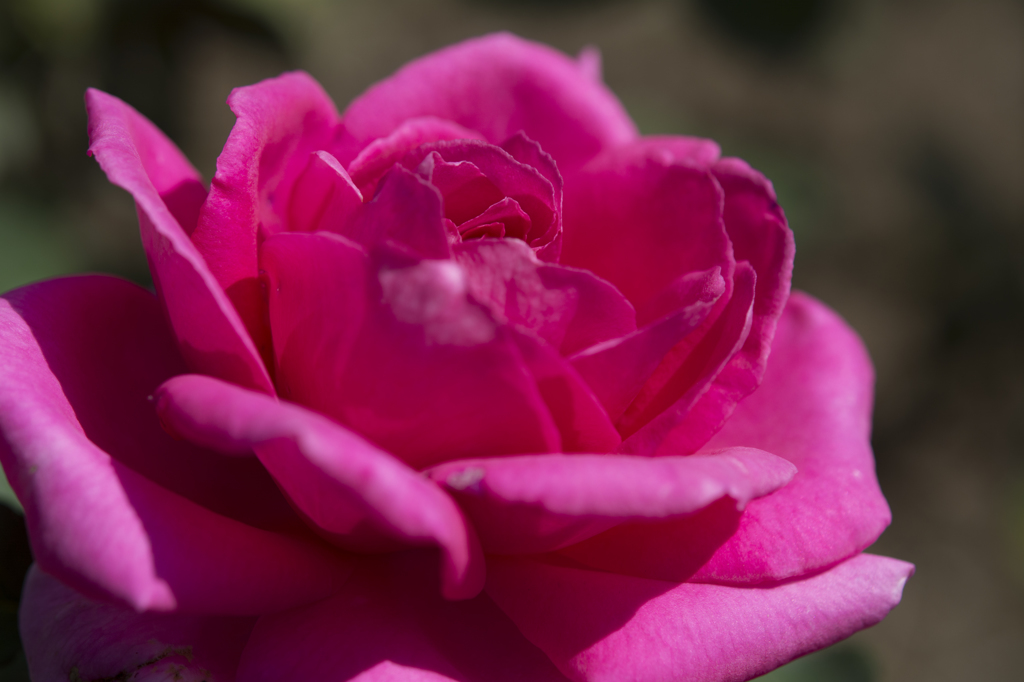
497	85
355	492
106	341
570	309
407	211
581	420
761	237
386	625
473	175
68	636
616	370
669	396
641	221
139	158
399	352
280	122
539	503
506	213
93	521
324	197
601	626
380	155
814	409
526	151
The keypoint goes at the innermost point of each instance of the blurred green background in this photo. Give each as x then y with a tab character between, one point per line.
894	133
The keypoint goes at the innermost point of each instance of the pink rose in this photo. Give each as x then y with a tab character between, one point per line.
468	383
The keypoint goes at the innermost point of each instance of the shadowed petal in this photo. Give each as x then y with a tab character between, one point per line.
67	636
362	497
387	625
137	157
406	211
95	522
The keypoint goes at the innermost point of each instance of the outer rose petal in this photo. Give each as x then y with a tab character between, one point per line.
360	496
93	521
814	409
136	156
496	85
107	343
538	503
281	121
388	625
67	636
601	626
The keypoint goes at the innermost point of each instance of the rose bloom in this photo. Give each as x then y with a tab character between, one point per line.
470	382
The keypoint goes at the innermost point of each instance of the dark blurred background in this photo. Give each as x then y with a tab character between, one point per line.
892	129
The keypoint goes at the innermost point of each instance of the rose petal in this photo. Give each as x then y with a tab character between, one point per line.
388	626
760	236
280	122
67	636
324	197
379	156
107	343
399	352
507	213
570	309
407	211
139	158
643	221
617	369
473	175
497	85
356	493
534	504
601	626
677	385
814	409
93	521
583	424
526	151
